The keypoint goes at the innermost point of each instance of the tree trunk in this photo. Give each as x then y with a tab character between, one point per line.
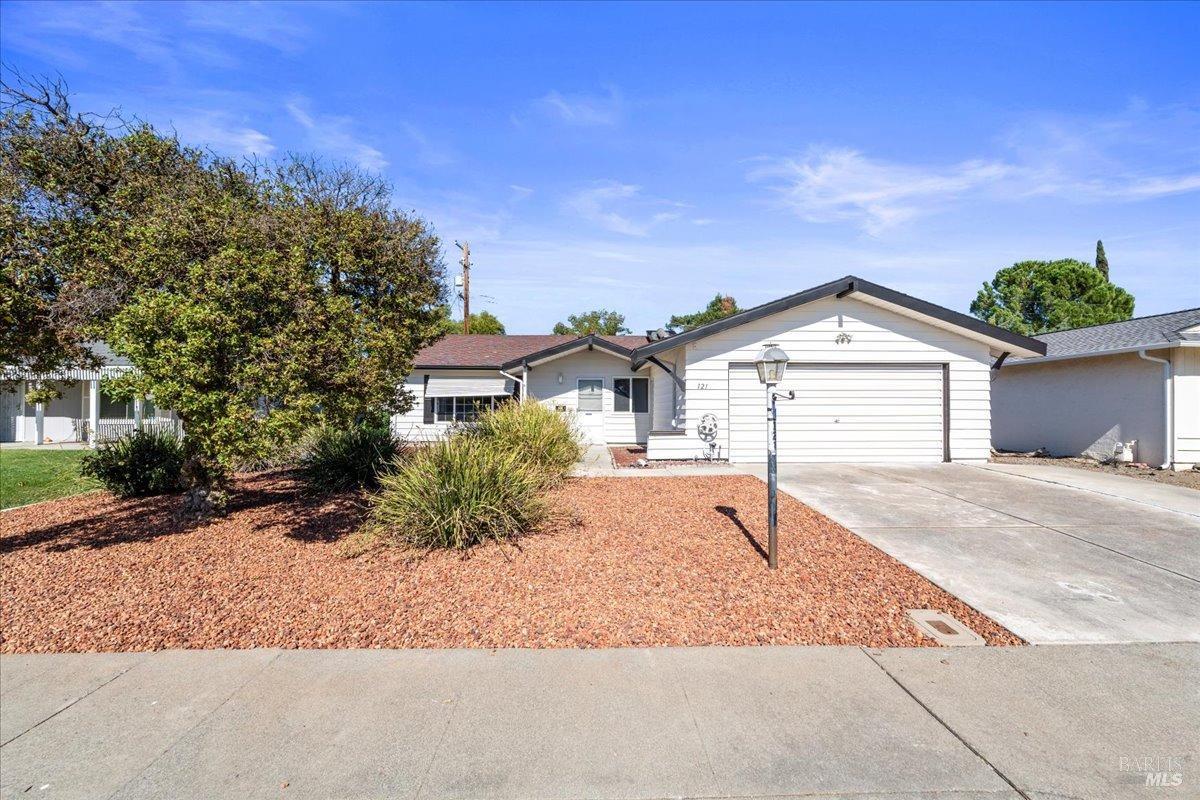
205	487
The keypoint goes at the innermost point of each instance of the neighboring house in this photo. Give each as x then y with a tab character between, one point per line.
82	414
879	376
1137	380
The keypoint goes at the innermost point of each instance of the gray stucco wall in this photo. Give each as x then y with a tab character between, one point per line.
1080	407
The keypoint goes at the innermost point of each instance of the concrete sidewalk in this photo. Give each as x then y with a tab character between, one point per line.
656	723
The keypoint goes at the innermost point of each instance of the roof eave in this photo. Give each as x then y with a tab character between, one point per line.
589	342
851	286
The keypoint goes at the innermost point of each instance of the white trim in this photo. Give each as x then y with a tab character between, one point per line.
1020	362
999	345
632	377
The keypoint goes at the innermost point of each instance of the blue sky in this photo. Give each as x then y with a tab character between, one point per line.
644	157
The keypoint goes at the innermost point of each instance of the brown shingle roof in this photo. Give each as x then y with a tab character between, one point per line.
483	350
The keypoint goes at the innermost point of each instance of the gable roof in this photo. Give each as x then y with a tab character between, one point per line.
485	351
851	286
1158	330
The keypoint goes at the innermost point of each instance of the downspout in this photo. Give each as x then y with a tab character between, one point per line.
1168	439
521	381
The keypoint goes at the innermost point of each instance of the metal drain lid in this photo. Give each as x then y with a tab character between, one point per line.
943	628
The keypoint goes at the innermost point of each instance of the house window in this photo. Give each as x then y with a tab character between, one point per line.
464	409
113	409
633	392
591	394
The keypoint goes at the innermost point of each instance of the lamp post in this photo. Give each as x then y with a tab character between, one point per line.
771	363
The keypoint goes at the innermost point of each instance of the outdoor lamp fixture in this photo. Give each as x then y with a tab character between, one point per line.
772	363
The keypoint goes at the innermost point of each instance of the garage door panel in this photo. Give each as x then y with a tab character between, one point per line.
848	413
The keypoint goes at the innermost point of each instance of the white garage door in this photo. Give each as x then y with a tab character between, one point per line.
842	413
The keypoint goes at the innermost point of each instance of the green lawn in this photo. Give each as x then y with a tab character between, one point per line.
30	476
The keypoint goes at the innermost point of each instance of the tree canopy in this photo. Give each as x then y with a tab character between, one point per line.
1101	259
601	321
719	307
485	322
1033	297
254	300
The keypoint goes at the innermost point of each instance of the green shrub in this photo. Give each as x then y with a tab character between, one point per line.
457	493
338	459
143	464
540	436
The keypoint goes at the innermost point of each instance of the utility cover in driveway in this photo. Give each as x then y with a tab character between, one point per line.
944	629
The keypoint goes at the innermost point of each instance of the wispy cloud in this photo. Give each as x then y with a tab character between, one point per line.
48	28
334	135
220	131
832	184
622	208
584	110
154	33
1133	156
428	152
270	24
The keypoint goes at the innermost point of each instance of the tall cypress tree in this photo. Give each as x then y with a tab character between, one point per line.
1101	259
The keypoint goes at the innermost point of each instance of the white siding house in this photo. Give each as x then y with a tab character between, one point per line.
81	411
878	376
869	387
1133	381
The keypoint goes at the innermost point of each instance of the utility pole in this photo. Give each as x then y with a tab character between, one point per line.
466	266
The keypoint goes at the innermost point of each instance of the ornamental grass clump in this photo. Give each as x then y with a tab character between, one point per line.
543	438
459	492
339	459
139	465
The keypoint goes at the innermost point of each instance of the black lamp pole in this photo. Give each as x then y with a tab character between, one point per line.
772	484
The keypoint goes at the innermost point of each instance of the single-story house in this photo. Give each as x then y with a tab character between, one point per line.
879	376
1095	387
83	413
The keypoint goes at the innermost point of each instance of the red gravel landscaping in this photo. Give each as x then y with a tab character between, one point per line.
646	562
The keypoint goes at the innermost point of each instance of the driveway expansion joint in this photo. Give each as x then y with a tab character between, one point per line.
871	654
1029	523
1042	479
203	717
83	696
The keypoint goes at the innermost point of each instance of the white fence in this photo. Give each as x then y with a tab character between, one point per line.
111	429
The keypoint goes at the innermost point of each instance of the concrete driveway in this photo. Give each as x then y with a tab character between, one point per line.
1104	559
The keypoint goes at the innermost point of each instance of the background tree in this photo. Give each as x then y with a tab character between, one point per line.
1101	259
601	321
1033	297
719	307
64	179
255	300
485	322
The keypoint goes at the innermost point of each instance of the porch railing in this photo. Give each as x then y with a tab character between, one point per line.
110	429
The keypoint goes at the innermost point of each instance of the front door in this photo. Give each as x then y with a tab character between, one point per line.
589	409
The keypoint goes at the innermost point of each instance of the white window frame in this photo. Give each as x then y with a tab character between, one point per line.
459	406
645	378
